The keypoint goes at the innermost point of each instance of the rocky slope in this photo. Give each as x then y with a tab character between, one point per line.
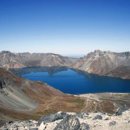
19	60
10	60
74	121
21	99
121	71
105	63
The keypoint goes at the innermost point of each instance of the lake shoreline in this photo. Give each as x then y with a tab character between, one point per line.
77	82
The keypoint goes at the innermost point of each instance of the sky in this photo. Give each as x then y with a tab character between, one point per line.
67	27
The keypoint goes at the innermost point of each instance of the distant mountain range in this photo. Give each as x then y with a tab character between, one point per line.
19	60
98	62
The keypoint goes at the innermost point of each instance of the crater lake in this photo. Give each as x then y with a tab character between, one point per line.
73	81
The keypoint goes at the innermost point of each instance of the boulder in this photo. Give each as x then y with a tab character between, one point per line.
112	123
84	126
69	123
82	115
52	117
2	122
97	117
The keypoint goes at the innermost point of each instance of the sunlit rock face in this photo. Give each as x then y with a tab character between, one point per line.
10	60
19	60
104	62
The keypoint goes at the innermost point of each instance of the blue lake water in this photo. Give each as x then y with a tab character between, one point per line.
75	82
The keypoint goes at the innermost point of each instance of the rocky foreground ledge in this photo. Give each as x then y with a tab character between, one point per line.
74	121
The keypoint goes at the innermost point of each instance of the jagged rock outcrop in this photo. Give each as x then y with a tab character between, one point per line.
52	117
68	123
74	121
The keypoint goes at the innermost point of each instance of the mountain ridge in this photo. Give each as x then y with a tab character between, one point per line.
104	62
98	62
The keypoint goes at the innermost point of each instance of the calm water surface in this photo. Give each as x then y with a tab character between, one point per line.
74	82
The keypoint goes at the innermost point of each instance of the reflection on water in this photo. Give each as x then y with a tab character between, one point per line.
74	81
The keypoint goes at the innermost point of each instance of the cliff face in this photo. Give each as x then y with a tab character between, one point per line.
19	60
10	60
104	63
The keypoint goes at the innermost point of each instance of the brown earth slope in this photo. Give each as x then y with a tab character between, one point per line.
23	99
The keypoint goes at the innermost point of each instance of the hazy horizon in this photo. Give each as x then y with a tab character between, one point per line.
67	27
73	56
